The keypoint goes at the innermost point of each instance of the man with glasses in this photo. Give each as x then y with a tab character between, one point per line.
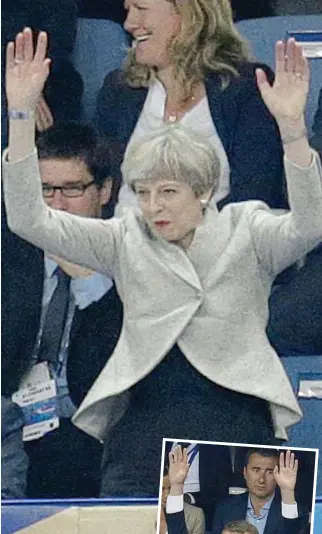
61	322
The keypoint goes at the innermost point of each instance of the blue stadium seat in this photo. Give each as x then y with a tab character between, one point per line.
318	516
262	35
307	433
100	48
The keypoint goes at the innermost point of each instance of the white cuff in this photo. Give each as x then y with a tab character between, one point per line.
289	510
314	155
5	156
174	504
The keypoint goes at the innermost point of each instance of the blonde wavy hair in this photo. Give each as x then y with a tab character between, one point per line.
207	41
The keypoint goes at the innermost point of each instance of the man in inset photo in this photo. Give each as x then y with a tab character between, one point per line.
269	504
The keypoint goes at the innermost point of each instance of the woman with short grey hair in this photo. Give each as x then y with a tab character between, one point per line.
176	152
193	360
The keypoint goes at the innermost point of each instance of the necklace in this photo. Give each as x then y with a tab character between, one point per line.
174	116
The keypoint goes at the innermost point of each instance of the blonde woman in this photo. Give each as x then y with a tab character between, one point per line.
189	65
193	359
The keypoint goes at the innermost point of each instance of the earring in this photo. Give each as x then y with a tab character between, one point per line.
204	203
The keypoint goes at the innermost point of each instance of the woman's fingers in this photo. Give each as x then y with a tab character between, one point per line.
41	47
302	65
19	47
45	114
280	57
23	49
263	85
290	56
28	44
40	119
295	60
10	56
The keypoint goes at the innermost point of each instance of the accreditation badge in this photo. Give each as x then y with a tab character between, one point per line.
37	398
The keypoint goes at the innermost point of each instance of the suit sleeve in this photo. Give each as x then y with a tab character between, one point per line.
281	240
89	242
254	151
294	526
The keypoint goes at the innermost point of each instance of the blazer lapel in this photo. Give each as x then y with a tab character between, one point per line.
211	240
131	106
176	259
214	90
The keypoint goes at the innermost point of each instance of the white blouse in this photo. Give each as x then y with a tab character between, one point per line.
197	118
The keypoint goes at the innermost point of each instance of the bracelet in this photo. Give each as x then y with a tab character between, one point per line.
290	138
19	114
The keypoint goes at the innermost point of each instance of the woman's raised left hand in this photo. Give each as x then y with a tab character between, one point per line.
286	98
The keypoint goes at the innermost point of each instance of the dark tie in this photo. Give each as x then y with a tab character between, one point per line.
55	319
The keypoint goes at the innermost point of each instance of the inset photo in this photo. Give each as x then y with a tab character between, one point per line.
229	488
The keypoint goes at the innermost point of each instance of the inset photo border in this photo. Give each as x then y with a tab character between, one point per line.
230	488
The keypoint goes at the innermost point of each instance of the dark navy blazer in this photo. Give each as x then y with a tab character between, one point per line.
247	130
94	332
235	508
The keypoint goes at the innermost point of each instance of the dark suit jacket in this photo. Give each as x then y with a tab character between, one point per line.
235	508
295	320
94	333
247	130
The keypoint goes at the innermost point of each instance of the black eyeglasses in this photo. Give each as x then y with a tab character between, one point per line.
68	190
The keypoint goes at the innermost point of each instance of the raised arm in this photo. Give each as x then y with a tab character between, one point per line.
280	241
178	470
285	475
89	242
286	99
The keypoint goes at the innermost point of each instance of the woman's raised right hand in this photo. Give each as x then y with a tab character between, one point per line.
178	466
26	70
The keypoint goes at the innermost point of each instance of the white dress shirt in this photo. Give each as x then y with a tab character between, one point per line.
198	119
175	505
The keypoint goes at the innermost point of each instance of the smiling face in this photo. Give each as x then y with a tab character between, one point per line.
170	208
68	172
259	476
153	24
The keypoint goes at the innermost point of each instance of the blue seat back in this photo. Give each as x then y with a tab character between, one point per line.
263	34
100	48
308	432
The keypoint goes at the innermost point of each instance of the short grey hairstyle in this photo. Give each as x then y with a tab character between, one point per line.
240	527
173	151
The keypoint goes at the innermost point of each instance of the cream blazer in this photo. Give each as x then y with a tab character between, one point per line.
210	299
